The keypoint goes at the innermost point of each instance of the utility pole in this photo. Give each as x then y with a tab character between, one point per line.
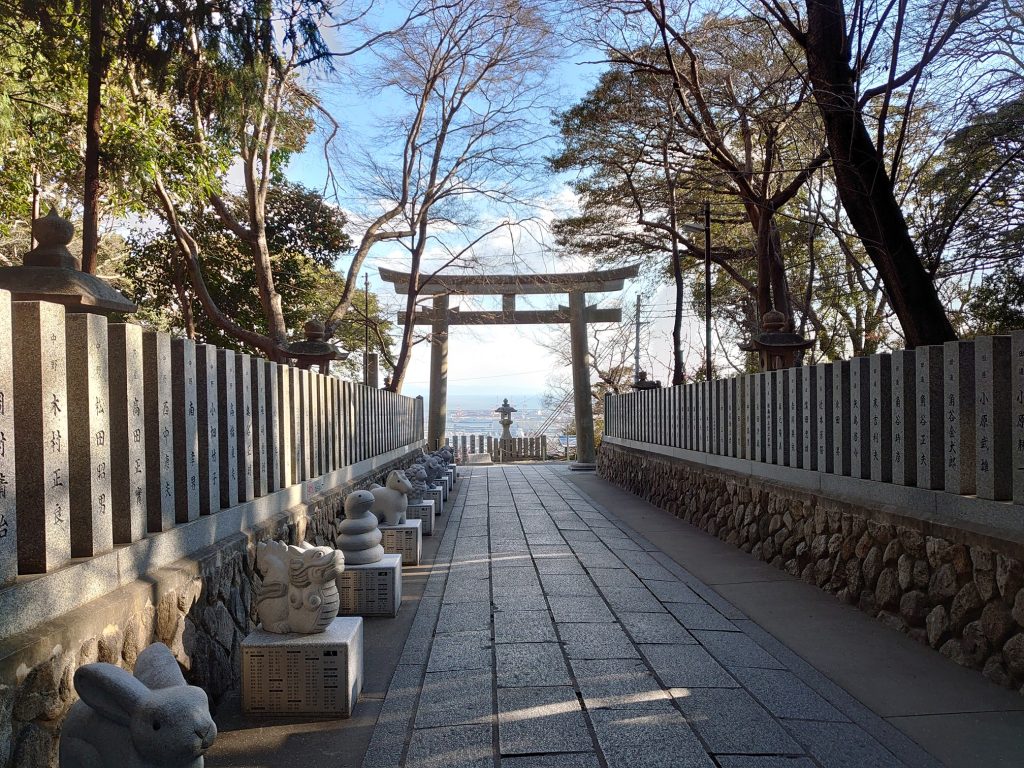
707	288
636	344
366	328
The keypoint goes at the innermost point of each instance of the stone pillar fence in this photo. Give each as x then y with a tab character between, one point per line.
114	437
533	448
947	418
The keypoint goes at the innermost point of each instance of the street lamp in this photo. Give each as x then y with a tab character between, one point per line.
706	229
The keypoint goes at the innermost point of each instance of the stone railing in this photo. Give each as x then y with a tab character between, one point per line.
123	450
946	419
513	449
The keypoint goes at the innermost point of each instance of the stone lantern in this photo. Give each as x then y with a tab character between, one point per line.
777	347
50	272
314	349
506	412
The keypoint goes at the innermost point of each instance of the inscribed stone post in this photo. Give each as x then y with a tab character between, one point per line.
771	430
315	425
904	421
156	384
285	424
931	471
228	427
993	415
185	410
41	427
823	416
747	384
8	519
273	426
92	531
808	418
730	417
208	411
306	392
958	409
795	389
258	391
244	427
1017	390
880	415
860	416
722	432
841	417
760	415
298	401
127	432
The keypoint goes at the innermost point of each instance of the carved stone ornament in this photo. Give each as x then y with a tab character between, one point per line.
391	502
359	537
298	592
417	476
151	719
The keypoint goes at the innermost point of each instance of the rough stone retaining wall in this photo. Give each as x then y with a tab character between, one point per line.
201	607
960	591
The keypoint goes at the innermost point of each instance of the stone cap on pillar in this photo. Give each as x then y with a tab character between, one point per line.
778	348
51	273
314	349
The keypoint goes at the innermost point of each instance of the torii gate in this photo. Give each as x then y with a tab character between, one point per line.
577	315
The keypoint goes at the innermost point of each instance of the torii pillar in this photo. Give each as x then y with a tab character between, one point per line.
440	317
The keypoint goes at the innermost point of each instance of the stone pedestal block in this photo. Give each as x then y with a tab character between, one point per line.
930	470
227	427
904	421
127	432
244	426
994	461
8	518
437	497
92	531
41	426
424	512
958	416
160	426
374	589
208	428
185	407
880	414
405	539
292	674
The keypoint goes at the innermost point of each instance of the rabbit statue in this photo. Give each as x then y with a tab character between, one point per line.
150	720
391	502
298	591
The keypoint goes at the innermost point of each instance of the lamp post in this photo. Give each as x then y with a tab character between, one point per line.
706	229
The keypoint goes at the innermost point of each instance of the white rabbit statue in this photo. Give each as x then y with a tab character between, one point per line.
150	720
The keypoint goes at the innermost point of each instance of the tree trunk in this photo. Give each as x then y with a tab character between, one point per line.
864	186
91	199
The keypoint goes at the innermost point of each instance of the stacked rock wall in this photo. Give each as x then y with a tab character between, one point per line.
202	607
959	590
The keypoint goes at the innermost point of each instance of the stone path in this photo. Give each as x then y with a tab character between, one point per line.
550	636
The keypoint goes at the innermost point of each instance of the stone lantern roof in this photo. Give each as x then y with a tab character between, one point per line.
51	273
314	349
778	348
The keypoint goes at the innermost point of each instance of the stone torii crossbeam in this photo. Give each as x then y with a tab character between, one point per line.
441	316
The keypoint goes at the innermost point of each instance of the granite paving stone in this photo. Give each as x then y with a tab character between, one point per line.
700	616
460	650
530	665
565	566
672	591
734	649
686	666
567	584
615	577
524	627
467	746
596	641
618	684
561	760
512	601
655	628
630	739
572	609
541	720
731	722
785	695
763	761
462	699
841	745
632	599
464	617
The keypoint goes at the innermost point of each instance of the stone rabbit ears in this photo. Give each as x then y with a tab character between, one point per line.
157	668
110	691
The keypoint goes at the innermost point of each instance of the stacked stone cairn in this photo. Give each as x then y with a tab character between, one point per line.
358	535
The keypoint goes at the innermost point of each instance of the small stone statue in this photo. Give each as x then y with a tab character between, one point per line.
360	537
299	592
447	454
391	502
418	479
434	467
150	720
